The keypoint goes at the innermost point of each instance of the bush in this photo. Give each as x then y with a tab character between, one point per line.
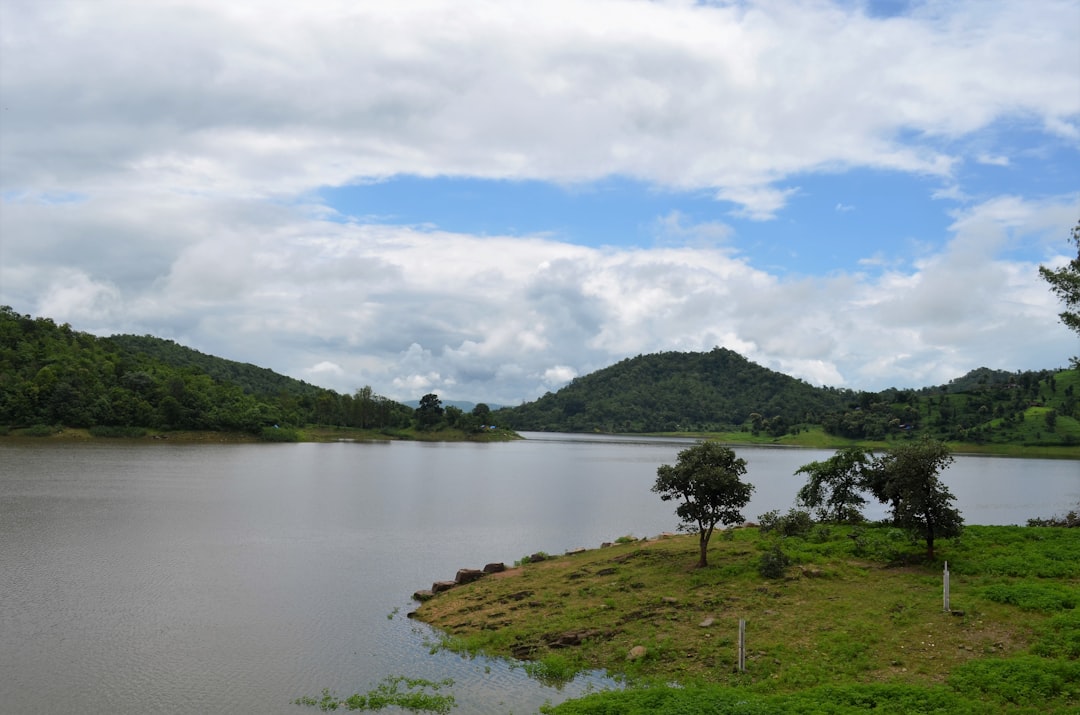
1025	680
279	434
796	522
774	563
1032	596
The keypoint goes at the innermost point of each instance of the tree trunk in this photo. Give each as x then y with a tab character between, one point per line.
703	544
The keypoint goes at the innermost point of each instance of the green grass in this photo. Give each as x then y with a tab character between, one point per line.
855	622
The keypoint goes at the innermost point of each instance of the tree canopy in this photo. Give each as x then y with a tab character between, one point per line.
1065	283
906	478
705	480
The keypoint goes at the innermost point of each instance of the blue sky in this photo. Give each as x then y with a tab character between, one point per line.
485	200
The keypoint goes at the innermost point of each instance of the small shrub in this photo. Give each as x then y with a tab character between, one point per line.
773	563
1025	680
796	522
1032	596
37	431
628	539
279	434
1059	637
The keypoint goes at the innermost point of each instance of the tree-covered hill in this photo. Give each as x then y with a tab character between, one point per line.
720	391
252	379
686	392
53	375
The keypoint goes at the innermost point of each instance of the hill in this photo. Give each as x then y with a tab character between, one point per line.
252	379
721	391
679	392
51	375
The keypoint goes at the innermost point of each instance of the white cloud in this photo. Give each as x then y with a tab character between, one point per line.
272	99
161	163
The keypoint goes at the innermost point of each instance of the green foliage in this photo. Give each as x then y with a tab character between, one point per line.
53	375
705	482
906	478
1023	680
279	434
796	522
774	562
834	486
415	695
1059	637
677	392
1033	596
695	700
1065	283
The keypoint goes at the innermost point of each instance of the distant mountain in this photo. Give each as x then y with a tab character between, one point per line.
673	391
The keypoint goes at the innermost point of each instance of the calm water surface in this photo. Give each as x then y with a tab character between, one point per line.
168	578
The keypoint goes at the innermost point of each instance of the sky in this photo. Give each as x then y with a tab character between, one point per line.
484	199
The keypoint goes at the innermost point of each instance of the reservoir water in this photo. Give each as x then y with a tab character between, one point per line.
180	578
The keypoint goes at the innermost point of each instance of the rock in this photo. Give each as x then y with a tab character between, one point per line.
495	568
605	545
606	572
423	595
538	556
578	550
465	576
670	600
636	653
709	620
440	586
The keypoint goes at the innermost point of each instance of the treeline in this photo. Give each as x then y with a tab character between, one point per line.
720	391
53	375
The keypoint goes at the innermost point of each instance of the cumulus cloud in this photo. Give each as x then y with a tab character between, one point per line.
162	162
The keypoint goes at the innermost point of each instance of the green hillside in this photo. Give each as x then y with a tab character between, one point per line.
679	392
51	375
720	391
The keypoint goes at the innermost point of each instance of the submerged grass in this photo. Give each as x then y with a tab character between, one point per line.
857	618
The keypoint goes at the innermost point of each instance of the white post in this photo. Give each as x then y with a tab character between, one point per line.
742	645
946	583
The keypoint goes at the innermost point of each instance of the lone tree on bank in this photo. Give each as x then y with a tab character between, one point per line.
907	479
705	479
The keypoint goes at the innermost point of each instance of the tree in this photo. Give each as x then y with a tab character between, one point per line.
430	411
834	487
1065	283
907	479
705	479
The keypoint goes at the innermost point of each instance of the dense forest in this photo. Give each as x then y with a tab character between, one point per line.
52	375
720	391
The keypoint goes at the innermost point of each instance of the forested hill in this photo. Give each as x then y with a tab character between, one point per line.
252	379
52	375
720	391
678	392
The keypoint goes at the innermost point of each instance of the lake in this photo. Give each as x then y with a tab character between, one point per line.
182	578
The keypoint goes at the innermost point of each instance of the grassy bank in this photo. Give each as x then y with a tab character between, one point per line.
855	623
